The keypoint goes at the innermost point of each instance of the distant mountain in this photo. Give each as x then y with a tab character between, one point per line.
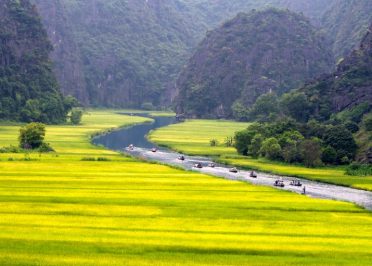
348	86
124	53
28	88
249	56
346	22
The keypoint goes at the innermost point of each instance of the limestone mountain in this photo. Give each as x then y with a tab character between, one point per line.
349	86
28	87
250	55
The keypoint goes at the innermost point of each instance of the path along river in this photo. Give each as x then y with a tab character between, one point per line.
120	140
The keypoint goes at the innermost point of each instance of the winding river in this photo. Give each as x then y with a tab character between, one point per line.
120	140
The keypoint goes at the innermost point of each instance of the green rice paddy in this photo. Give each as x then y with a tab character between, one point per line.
193	136
59	210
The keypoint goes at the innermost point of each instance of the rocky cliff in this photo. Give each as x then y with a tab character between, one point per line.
28	88
248	56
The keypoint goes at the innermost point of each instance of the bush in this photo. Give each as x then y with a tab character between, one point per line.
242	140
148	106
103	159
341	139
88	159
76	116
213	142
10	149
32	136
255	147
229	141
356	169
45	147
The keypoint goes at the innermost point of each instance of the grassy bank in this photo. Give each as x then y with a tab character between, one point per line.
193	136
64	211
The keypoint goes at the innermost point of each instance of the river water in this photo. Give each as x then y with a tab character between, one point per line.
120	140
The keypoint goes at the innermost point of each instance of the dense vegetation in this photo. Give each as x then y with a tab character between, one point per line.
254	53
28	87
339	101
113	52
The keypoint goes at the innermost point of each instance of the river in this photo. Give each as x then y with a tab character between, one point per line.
120	140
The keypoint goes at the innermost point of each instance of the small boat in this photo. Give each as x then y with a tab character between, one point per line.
233	170
279	183
253	174
198	165
154	149
131	147
212	165
295	183
181	158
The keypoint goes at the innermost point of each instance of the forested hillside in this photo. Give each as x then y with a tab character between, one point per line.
126	53
28	87
252	54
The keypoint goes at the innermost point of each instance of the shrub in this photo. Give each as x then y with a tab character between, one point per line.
213	142
45	147
31	136
229	141
147	106
103	159
356	169
368	123
76	116
88	159
10	149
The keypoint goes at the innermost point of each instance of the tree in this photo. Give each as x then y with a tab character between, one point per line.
240	112
296	106
32	136
341	139
265	108
254	148
271	149
290	142
76	115
242	140
329	155
311	152
351	126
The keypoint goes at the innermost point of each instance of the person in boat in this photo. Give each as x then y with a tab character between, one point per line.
198	165
131	147
212	165
253	174
181	158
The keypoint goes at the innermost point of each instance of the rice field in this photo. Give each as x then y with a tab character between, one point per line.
59	210
193	136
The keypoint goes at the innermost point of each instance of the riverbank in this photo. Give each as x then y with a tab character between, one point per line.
193	137
59	209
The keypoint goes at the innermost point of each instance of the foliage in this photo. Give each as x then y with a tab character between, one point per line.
76	116
329	155
28	88
45	147
311	152
356	169
367	121
32	136
351	126
255	145
218	83
213	142
270	148
229	141
265	109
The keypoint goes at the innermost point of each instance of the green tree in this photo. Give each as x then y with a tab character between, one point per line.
271	148
296	106
311	152
265	108
32	136
76	116
368	122
329	155
240	112
341	139
254	148
242	139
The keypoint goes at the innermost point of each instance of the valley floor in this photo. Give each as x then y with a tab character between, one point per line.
193	136
59	210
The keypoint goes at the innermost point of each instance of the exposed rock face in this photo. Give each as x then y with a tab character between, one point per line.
66	55
28	88
248	56
349	86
